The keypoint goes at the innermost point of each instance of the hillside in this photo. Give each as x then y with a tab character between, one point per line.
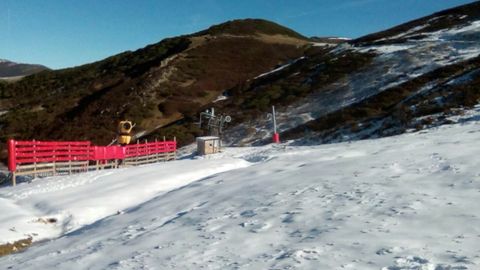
410	77
10	69
407	78
404	202
153	86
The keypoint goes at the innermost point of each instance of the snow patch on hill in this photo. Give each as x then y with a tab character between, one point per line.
279	68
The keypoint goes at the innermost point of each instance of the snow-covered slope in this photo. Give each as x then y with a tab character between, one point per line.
404	202
79	200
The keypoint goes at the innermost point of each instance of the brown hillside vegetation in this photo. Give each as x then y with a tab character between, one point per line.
154	86
250	27
16	246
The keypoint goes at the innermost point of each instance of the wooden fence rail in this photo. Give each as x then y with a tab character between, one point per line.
45	158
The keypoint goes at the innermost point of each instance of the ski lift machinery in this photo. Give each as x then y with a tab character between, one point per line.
214	125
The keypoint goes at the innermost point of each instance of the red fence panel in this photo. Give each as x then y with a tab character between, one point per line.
134	150
22	152
108	152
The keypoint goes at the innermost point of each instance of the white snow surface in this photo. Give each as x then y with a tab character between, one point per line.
404	202
342	38
79	200
220	98
323	44
279	68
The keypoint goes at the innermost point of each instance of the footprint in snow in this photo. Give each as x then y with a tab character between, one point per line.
417	262
248	213
261	227
385	251
289	217
256	226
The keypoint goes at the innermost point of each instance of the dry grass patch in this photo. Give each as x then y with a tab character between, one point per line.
16	246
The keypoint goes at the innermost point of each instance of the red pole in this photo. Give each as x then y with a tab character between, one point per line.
12	162
276	138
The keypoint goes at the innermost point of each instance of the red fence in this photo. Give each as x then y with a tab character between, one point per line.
33	152
133	150
24	152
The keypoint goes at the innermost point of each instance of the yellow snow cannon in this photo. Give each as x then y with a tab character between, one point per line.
124	130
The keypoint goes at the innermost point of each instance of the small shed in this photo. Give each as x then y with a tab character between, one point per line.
208	145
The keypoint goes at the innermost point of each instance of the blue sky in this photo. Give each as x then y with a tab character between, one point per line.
65	33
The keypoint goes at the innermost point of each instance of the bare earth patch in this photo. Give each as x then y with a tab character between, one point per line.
16	246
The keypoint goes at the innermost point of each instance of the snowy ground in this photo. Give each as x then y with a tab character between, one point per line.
79	200
405	202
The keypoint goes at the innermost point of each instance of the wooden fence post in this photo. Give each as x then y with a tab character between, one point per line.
147	150
54	163
165	154
175	152
35	160
69	159
136	155
14	179
157	158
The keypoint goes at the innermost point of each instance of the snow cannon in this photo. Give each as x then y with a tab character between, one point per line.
124	130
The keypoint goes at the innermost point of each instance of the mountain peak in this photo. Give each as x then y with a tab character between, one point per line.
252	27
